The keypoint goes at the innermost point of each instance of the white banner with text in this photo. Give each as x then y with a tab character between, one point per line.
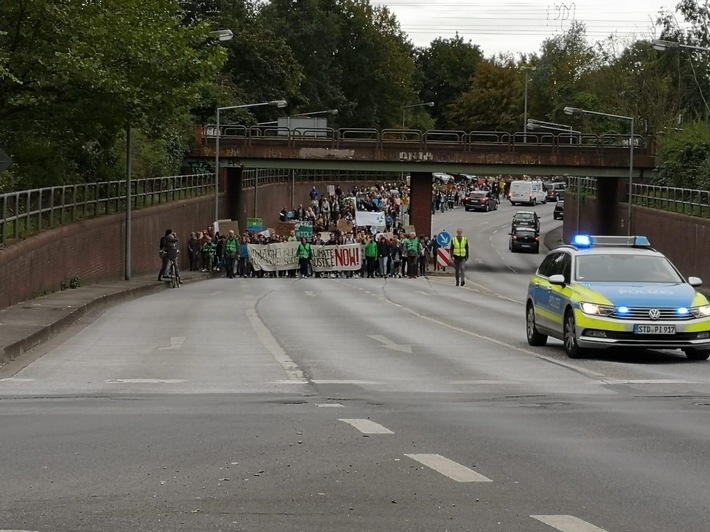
284	256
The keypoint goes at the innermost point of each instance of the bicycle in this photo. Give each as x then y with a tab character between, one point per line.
174	274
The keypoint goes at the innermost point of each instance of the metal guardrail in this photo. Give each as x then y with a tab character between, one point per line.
27	212
692	202
688	201
262	176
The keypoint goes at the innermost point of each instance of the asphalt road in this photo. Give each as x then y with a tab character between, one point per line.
350	405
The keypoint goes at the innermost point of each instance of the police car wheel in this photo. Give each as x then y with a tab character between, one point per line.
534	337
694	354
570	337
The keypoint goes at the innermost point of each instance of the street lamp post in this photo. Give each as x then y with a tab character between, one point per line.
574	110
660	44
525	69
404	109
552	126
278	103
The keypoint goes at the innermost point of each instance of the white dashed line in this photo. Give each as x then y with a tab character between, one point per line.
330	405
449	468
367	427
567	523
143	381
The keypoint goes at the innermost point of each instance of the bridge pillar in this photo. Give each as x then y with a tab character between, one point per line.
420	202
606	206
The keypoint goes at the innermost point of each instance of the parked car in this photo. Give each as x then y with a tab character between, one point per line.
523	238
559	212
526	219
480	200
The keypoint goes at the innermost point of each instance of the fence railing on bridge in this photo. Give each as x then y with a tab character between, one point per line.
464	140
26	212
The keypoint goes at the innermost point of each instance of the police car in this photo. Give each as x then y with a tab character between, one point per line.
607	291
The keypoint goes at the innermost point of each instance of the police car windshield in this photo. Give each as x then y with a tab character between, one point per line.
625	268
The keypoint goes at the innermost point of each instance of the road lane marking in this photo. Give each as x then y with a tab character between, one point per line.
330	405
367	427
310	293
650	381
586	372
341	381
567	523
175	343
449	468
143	381
15	379
389	344
272	345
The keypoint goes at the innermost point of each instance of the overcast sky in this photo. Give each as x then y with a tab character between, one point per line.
520	26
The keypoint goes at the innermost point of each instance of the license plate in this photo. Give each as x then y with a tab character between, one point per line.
654	329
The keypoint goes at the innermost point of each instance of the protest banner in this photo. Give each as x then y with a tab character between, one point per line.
284	256
284	228
363	218
345	226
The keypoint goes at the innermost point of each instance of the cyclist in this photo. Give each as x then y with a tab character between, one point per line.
168	252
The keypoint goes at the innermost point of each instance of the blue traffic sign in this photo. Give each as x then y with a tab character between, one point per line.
444	239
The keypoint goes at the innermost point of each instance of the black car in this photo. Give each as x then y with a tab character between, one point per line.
559	212
480	200
524	238
526	219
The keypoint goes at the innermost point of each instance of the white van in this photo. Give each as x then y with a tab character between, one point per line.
527	193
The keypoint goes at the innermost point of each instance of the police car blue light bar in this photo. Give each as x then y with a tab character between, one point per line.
587	241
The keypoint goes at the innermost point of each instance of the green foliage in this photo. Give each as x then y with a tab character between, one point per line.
494	102
89	69
444	71
685	156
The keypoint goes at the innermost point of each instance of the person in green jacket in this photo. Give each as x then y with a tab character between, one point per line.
231	249
412	247
208	252
371	256
304	255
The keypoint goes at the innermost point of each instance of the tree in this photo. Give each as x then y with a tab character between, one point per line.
91	69
444	71
493	101
685	156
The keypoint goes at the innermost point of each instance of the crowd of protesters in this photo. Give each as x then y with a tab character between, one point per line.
389	251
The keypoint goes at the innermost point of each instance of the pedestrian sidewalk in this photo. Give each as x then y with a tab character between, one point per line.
26	325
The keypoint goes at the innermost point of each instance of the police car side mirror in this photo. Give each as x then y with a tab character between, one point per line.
557	279
695	281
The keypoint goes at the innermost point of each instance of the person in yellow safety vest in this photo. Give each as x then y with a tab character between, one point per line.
459	252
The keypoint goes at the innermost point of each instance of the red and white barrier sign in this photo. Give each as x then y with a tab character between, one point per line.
443	258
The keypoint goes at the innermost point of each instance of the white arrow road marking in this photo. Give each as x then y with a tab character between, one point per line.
449	468
175	343
144	381
367	427
389	344
567	523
